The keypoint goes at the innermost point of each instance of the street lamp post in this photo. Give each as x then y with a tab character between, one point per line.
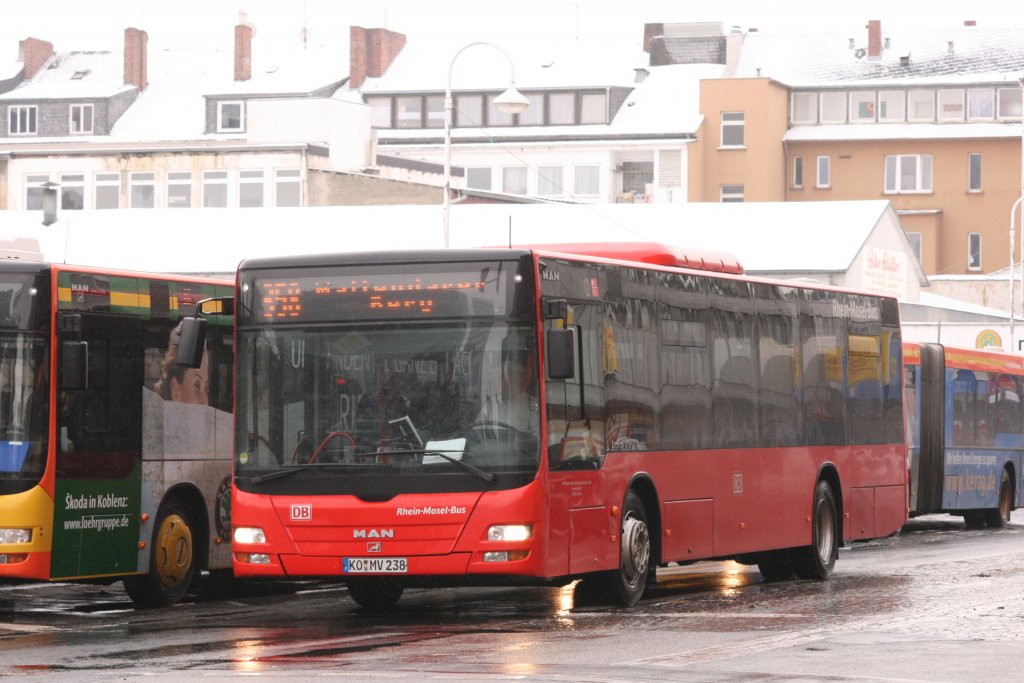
509	102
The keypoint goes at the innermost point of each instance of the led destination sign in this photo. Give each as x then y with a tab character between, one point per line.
382	293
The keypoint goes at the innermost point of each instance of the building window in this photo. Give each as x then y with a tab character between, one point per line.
974	172
215	189
107	190
549	180
533	115
951	105
288	187
637	176
862	107
142	190
80	116
593	107
805	107
469	110
908	173
833	107
587	180
409	112
730	194
21	120
479	178
179	190
981	104
562	109
496	117
513	180
670	168
732	129
34	191
824	179
974	251
250	189
435	111
921	105
72	192
1009	103
892	106
230	117
798	172
380	111
915	244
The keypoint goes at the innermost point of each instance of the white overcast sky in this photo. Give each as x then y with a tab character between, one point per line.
76	25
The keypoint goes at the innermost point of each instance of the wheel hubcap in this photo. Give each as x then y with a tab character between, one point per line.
826	529
173	550
636	548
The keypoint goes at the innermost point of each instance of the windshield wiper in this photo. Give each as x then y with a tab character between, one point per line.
281	474
472	469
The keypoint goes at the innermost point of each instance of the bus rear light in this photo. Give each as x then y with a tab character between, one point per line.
506	556
249	534
12	558
15	535
510	532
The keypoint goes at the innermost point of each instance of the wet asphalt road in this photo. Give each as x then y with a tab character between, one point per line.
935	603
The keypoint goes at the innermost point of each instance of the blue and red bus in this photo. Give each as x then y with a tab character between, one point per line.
537	415
965	432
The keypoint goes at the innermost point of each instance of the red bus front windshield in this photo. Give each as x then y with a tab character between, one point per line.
412	403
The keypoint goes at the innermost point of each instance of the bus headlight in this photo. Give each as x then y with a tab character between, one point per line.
249	534
15	535
510	532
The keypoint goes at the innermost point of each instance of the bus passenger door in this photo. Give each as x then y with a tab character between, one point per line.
96	507
580	524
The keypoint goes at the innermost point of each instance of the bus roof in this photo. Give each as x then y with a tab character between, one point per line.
647	252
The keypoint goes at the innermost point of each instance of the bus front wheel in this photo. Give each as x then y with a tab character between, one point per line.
171	560
626	585
998	517
817	560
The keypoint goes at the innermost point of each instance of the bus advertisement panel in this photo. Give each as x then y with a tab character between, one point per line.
114	459
524	415
965	432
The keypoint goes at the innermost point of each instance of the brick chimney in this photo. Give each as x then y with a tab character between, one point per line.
371	51
135	58
874	39
651	31
33	53
243	52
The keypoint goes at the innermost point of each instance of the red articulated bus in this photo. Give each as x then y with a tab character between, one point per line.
536	415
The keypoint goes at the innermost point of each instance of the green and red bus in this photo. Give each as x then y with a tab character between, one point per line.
965	432
542	414
114	460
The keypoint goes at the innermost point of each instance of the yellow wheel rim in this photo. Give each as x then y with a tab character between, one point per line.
173	551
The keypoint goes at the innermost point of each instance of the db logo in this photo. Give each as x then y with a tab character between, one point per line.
301	513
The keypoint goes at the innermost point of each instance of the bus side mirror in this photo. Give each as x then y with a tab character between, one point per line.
561	353
191	342
74	365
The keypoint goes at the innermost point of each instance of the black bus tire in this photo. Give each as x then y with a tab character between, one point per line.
998	517
375	593
171	560
816	560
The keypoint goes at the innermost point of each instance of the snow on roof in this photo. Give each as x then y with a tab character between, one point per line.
765	237
423	66
922	56
667	100
74	75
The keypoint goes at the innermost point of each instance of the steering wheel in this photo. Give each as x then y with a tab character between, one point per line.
330	437
494	427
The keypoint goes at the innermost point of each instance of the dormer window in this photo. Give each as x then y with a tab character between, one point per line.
21	120
230	117
80	117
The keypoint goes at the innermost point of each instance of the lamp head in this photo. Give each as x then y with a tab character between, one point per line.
511	102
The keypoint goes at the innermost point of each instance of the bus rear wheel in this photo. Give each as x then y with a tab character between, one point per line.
171	560
998	517
375	593
817	560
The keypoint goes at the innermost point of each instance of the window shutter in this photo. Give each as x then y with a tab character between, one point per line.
670	168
